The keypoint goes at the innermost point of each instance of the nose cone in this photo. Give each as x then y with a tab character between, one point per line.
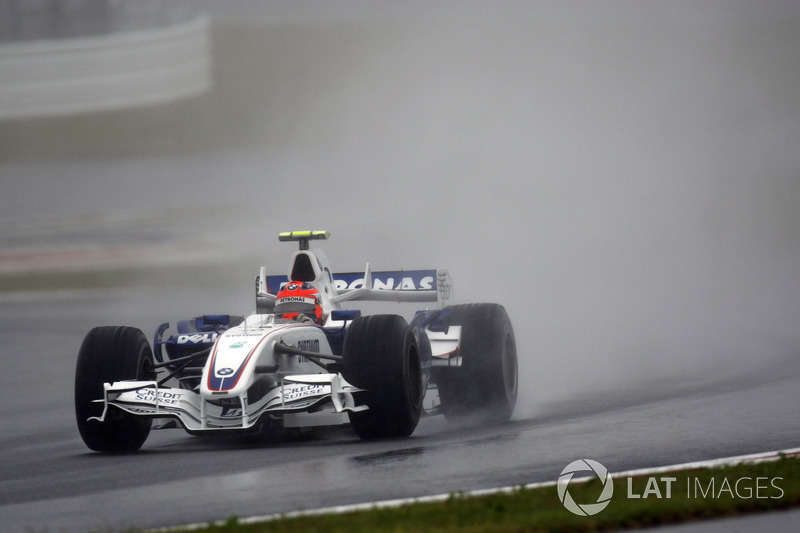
229	369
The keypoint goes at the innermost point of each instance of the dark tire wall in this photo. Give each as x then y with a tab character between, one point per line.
108	354
484	388
381	356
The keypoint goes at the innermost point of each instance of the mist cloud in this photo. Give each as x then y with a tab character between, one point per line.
623	180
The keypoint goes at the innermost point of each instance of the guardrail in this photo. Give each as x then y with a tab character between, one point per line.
106	71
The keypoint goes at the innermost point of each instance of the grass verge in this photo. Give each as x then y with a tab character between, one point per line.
694	495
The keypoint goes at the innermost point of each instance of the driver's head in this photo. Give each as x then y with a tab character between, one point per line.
297	300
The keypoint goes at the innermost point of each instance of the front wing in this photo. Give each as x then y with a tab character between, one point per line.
329	395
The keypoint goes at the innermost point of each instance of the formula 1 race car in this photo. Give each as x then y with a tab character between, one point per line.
301	361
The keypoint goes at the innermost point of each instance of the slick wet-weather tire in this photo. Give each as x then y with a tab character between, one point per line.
484	388
381	356
108	354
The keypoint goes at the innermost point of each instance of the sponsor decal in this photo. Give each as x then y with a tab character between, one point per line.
397	280
406	283
298	391
231	412
160	397
309	345
296	300
198	338
238	344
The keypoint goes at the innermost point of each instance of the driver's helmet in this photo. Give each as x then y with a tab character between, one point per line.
298	300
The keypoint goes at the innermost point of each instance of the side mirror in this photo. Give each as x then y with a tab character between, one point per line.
438	321
340	315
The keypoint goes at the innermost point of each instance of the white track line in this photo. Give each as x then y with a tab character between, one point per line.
754	458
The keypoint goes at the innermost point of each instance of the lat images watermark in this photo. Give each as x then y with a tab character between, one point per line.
661	487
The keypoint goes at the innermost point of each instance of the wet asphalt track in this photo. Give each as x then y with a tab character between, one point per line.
51	482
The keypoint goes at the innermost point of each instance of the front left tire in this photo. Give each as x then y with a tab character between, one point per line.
381	356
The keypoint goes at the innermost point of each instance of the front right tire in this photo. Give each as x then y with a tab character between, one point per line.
109	354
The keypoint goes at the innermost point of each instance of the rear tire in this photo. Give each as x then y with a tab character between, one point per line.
108	354
484	388
382	357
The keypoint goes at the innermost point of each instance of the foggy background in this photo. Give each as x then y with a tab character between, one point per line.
623	176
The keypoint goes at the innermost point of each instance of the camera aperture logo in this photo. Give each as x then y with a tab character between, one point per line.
585	465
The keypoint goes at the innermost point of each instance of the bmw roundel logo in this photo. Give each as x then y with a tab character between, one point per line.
292	286
224	371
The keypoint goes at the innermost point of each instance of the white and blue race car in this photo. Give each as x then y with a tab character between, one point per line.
301	361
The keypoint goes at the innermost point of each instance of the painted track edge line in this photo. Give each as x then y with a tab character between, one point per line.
752	458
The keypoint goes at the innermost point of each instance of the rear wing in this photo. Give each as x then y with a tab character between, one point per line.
396	286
